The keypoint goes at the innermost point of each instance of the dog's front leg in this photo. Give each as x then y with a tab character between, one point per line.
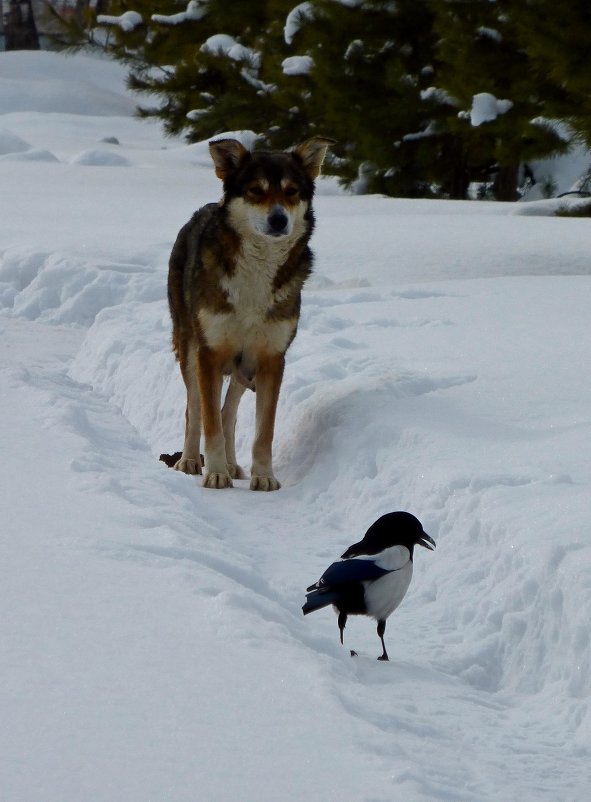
210	392
268	383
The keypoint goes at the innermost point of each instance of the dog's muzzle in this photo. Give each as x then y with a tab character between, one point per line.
278	222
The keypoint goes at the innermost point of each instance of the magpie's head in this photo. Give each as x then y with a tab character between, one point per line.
393	529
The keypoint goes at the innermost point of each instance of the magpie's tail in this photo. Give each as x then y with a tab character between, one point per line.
317	599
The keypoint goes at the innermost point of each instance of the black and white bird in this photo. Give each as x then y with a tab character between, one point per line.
375	584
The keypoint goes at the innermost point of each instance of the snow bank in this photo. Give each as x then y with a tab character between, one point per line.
100	158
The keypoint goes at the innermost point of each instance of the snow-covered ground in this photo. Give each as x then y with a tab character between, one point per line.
153	646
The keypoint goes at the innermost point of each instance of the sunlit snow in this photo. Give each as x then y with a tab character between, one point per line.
153	645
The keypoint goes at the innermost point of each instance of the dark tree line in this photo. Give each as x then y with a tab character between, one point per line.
394	83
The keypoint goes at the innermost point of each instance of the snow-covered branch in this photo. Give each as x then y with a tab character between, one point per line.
485	108
127	21
195	11
295	19
221	44
297	65
439	95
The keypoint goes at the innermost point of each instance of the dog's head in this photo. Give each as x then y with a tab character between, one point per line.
269	193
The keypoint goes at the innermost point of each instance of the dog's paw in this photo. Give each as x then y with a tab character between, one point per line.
217	480
236	471
190	466
264	483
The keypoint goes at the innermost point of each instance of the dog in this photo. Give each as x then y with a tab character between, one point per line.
235	279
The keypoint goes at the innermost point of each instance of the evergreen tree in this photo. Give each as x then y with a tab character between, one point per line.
558	41
198	61
394	82
480	51
371	65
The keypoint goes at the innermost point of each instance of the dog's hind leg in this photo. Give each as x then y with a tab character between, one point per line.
190	459
229	412
210	377
268	383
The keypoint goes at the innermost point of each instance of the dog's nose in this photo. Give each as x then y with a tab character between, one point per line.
277	221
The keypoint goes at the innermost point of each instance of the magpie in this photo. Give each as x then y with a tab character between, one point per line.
375	584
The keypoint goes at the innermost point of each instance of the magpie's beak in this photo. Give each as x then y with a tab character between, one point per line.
426	541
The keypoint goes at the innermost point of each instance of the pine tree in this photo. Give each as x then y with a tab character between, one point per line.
480	51
558	41
396	83
197	62
370	65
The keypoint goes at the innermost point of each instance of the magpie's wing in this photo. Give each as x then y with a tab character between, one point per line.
348	571
316	600
328	588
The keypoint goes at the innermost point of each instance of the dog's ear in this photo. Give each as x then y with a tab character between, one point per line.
312	153
227	154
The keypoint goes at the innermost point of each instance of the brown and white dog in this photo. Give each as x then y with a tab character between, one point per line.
235	279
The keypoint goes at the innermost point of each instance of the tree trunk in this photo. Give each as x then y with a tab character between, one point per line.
505	183
20	31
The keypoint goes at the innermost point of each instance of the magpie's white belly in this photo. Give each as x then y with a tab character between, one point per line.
382	596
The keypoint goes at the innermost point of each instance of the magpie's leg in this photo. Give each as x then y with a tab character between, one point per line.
381	630
342	623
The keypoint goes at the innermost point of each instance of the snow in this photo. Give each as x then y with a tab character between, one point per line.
221	44
430	130
438	95
486	107
490	33
295	19
10	143
196	10
153	641
127	21
559	174
297	65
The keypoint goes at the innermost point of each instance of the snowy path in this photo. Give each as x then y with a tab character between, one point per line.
160	603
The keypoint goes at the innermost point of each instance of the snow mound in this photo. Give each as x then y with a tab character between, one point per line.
32	155
45	82
246	138
11	143
100	158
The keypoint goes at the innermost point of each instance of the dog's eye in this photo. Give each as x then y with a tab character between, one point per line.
256	191
290	192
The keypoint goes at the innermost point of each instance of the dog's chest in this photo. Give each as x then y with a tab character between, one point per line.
251	295
250	289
